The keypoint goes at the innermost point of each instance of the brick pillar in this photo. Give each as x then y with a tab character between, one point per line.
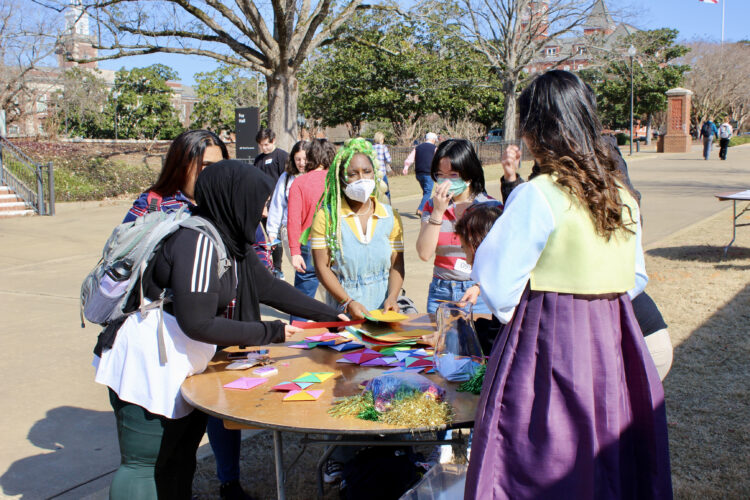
677	138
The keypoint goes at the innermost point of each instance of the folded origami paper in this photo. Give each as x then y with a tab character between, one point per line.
363	356
314	377
304	345
414	362
292	386
303	395
244	383
346	346
309	325
323	337
404	369
375	362
386	317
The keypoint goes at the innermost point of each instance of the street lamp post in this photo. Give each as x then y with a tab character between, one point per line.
115	95
631	53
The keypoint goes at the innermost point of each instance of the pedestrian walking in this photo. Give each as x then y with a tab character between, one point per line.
708	132
725	133
422	167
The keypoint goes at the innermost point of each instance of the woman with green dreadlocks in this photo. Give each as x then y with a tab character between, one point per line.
357	241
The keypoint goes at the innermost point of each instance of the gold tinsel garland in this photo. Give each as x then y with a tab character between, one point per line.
412	410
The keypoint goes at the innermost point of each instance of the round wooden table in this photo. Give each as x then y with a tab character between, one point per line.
263	408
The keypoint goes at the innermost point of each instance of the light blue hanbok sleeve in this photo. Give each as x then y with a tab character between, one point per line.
505	259
641	278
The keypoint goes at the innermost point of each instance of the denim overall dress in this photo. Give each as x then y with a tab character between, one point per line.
364	268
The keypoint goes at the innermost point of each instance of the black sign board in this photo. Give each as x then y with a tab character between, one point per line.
247	123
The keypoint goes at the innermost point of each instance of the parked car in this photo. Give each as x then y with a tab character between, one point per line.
494	135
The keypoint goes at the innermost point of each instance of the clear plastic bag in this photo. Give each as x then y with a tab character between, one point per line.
387	388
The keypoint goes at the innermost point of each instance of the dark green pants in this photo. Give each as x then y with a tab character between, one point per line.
157	454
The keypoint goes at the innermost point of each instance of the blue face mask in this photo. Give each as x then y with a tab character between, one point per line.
458	186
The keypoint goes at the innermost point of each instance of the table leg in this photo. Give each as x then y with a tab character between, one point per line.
278	449
321	464
734	227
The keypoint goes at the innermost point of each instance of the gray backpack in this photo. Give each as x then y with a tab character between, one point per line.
106	289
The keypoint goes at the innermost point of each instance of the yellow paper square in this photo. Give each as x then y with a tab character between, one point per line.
323	376
387	317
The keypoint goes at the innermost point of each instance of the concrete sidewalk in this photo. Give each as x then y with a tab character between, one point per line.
59	437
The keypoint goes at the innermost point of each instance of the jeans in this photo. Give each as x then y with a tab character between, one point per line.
157	454
452	291
708	143
723	145
388	194
306	282
225	444
426	182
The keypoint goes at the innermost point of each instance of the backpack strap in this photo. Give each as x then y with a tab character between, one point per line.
153	201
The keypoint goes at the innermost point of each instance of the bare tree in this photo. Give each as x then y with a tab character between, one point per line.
719	81
25	43
513	33
272	38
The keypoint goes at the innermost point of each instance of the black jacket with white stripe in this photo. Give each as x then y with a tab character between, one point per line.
187	264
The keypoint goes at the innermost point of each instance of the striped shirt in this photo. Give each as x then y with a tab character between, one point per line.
450	259
167	204
384	158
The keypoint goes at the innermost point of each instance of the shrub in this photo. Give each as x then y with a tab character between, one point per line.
622	138
737	140
80	179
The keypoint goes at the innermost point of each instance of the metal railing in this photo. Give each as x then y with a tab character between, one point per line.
33	182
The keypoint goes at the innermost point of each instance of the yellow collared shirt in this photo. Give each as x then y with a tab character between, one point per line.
317	232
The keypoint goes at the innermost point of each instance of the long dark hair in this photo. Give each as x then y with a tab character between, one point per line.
559	123
185	153
464	160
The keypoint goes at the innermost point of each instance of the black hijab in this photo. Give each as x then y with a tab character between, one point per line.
231	194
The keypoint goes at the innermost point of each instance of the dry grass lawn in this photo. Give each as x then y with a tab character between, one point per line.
706	302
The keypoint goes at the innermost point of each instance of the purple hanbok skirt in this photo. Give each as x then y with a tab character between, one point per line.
572	406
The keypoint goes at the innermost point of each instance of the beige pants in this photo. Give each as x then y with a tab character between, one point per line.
660	347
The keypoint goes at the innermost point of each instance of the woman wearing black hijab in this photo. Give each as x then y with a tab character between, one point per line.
158	431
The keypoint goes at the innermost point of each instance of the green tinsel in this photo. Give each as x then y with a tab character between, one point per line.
474	384
369	413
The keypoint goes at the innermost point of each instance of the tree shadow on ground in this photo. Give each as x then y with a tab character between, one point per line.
83	446
708	406
702	253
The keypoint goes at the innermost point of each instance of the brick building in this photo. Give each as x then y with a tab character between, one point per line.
571	53
77	42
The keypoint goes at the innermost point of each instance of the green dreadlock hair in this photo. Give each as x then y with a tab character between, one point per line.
331	199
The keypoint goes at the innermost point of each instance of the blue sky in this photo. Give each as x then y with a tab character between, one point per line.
692	18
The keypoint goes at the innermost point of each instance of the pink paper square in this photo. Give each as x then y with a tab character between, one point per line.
245	383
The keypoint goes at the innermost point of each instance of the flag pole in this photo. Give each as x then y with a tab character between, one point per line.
723	5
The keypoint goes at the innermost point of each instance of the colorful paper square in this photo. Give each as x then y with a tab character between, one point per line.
245	383
291	386
303	395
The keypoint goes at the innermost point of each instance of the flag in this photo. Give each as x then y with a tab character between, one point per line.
709	1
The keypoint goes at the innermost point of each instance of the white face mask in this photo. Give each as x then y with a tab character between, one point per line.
360	190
